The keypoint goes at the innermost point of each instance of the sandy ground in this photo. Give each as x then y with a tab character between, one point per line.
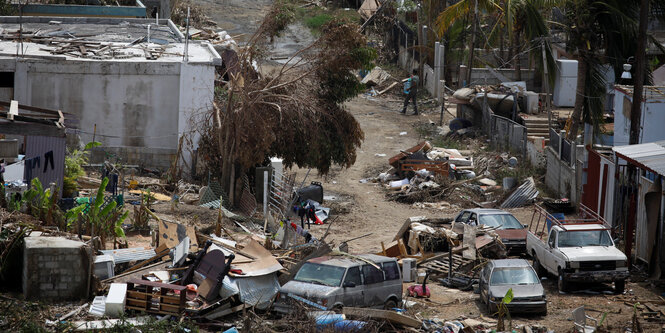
364	209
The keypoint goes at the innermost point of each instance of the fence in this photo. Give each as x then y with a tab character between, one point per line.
564	149
506	134
281	189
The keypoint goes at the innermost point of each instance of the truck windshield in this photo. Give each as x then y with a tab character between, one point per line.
320	274
513	275
584	238
503	221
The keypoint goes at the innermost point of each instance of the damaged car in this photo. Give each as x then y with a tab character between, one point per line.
511	231
498	276
333	282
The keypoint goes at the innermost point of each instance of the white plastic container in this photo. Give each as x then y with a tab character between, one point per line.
408	269
115	300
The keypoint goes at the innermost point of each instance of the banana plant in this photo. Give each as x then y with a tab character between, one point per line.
101	220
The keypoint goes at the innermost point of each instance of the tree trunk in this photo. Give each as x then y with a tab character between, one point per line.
638	85
473	42
579	99
518	63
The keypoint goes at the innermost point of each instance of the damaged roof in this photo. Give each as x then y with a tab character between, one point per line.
100	39
648	156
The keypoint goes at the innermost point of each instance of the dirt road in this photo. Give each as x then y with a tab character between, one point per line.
362	208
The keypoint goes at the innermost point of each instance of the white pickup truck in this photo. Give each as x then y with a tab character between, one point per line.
580	250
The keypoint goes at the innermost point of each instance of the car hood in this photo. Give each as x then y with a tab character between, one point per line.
596	253
307	290
519	291
512	234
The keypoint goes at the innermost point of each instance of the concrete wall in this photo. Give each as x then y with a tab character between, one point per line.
55	268
140	106
535	150
560	177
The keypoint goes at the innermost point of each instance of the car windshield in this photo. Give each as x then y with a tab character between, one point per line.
320	274
584	238
503	221
513	275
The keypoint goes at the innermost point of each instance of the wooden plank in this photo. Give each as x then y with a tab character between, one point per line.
389	315
224	312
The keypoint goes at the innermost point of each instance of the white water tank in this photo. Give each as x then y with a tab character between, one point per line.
565	86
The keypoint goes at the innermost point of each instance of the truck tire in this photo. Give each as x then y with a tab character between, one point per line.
390	304
562	283
619	286
540	270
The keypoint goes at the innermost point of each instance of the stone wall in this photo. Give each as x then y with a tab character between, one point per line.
55	268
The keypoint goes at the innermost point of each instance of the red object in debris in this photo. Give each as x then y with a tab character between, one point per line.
237	271
318	220
420	290
417	291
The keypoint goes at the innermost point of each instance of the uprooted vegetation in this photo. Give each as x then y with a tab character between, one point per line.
305	95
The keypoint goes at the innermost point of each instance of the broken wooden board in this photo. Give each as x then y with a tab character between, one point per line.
224	312
171	234
391	316
441	266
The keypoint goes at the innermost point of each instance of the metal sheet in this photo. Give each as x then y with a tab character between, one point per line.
133	254
51	154
649	156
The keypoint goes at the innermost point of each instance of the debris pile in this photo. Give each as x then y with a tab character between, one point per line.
450	179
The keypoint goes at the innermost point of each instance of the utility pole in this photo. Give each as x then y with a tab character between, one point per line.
473	42
638	85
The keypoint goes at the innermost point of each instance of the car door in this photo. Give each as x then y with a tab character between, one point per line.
549	259
353	296
372	282
392	284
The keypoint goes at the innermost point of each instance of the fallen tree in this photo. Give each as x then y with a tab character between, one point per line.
294	111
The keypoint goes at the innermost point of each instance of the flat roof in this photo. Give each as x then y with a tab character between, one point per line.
101	39
648	156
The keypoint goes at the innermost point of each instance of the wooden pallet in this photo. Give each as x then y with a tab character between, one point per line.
143	296
441	266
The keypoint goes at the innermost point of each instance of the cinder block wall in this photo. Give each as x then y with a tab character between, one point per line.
55	268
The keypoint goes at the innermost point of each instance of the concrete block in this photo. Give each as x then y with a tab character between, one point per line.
115	300
54	268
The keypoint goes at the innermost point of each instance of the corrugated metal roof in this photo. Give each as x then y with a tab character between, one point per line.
132	254
649	156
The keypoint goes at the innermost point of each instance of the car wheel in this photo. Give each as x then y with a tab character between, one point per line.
619	286
540	270
562	284
337	309
390	304
544	313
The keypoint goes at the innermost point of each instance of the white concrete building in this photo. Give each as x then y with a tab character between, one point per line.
652	119
141	94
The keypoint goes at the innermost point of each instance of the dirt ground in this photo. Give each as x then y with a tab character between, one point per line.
362	208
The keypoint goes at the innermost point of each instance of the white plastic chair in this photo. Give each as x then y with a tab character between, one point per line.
580	318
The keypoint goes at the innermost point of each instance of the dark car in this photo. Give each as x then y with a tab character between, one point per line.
511	231
498	276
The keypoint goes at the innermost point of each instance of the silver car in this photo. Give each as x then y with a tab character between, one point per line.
498	276
334	282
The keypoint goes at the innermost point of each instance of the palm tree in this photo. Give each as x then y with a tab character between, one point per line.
599	32
522	19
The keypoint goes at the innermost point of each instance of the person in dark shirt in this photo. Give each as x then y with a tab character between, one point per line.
411	90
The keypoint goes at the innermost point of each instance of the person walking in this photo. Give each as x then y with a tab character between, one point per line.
411	90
